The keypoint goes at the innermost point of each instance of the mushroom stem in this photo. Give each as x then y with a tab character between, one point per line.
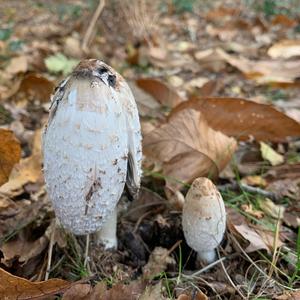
108	233
207	256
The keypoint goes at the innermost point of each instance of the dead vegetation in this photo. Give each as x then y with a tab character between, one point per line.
217	86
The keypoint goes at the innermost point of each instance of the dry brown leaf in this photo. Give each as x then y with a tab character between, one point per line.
264	71
197	296
119	291
17	65
255	241
13	287
258	238
153	293
242	118
147	105
210	59
158	261
26	171
81	291
24	214
254	180
22	249
188	148
162	92
285	49
288	296
284	20
10	153
36	87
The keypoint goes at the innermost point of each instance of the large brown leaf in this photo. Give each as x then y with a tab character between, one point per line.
188	147
13	287
162	92
242	118
10	153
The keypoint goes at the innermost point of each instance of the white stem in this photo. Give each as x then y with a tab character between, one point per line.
207	257
108	234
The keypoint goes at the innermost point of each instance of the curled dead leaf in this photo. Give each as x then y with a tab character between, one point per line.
10	153
188	148
243	118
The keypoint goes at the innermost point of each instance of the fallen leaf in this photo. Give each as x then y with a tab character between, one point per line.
285	188
270	155
258	238
158	261
58	63
243	118
17	65
210	59
22	249
26	171
264	71
188	147
284	20
255	241
270	208
153	293
10	153
288	296
162	92
254	180
36	87
24	214
196	296
248	208
196	83
285	49
147	105
72	47
81	291
13	287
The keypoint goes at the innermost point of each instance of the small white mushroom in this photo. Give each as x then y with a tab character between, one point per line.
204	219
92	148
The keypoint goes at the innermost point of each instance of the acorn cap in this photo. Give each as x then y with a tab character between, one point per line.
204	218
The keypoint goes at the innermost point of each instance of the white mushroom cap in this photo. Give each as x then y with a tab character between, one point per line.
204	218
91	147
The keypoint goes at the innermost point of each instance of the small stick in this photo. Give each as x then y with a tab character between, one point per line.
89	31
50	250
248	188
86	254
229	278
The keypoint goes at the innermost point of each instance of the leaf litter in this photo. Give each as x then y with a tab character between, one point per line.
250	59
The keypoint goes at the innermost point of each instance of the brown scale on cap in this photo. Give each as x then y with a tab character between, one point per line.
97	68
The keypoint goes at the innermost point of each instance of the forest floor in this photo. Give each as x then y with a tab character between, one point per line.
230	67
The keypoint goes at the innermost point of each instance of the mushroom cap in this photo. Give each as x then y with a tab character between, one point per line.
91	146
203	216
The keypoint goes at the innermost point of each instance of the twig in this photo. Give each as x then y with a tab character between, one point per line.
86	254
229	278
89	31
248	188
50	250
205	268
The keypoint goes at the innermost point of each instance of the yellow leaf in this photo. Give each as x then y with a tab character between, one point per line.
270	154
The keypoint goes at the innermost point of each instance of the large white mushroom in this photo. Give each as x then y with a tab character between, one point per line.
92	148
204	219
